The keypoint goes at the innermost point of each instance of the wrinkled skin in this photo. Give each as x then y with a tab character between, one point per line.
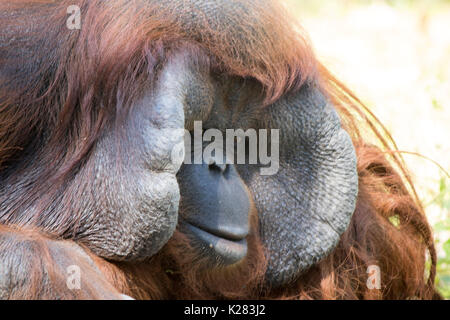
130	206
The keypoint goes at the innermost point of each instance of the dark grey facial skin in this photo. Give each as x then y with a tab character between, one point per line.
306	206
136	195
131	197
135	198
124	197
214	210
302	210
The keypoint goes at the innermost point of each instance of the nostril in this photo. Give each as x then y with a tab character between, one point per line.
217	167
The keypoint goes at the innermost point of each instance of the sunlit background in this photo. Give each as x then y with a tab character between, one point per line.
395	55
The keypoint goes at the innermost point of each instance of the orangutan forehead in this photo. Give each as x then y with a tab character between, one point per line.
232	18
249	38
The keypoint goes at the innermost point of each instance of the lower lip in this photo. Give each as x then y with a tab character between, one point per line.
227	251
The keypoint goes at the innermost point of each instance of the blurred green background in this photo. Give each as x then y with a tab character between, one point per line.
395	55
